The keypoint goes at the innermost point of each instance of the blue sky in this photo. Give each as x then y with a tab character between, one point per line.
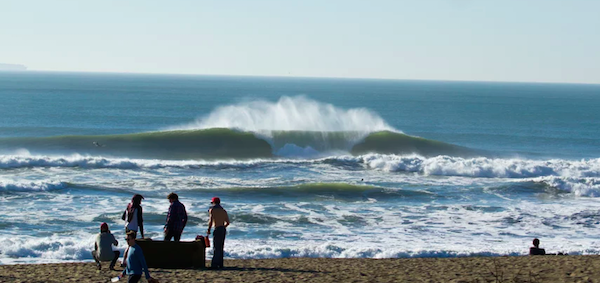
479	40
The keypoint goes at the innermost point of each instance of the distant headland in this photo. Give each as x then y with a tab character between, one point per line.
12	67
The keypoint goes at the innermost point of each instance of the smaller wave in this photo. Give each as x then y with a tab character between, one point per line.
95	162
31	186
56	248
339	251
481	166
581	187
318	192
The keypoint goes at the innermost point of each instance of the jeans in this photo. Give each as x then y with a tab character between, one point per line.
218	244
112	263
172	234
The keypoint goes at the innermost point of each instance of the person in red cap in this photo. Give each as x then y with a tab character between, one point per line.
217	217
103	247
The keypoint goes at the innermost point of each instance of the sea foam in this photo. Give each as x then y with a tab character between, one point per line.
290	114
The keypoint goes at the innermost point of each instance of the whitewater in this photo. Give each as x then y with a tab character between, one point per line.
305	167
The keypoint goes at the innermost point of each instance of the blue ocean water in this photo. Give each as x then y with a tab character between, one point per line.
305	166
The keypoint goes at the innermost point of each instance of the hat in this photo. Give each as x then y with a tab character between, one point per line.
215	200
104	227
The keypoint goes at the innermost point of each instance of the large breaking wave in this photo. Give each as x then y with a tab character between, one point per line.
291	127
218	143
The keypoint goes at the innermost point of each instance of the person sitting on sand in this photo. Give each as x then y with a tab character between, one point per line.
535	250
103	247
219	218
133	215
135	261
176	218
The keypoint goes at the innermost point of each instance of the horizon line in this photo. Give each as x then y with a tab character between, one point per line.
298	77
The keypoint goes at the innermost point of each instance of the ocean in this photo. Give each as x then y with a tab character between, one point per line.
306	167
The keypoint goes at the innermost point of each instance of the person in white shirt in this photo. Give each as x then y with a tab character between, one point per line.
133	215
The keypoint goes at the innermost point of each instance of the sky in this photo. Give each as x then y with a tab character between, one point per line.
472	40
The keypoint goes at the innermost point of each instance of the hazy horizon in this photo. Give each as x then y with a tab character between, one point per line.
282	76
439	40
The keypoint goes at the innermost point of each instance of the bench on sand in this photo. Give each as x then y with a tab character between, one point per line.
161	254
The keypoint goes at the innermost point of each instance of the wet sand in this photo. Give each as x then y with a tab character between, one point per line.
469	269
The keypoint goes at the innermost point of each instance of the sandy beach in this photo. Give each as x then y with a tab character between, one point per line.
469	269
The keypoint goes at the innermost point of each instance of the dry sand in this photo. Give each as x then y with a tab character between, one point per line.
469	269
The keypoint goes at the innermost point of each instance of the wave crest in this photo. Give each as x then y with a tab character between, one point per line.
482	166
25	186
290	114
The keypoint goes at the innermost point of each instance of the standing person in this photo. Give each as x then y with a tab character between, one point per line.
219	218
176	218
133	215
135	261
103	247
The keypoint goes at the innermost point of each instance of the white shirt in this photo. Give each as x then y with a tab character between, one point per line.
133	225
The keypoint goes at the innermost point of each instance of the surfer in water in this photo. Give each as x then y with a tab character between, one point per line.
98	144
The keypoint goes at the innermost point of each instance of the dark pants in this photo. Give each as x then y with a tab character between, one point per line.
112	263
218	244
134	278
171	234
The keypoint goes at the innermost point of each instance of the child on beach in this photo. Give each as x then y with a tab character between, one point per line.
103	247
133	215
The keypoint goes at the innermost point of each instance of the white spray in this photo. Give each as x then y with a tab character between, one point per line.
290	114
293	114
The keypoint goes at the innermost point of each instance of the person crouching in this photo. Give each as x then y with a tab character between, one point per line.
103	248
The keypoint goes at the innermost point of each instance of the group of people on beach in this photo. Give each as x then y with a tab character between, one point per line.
134	262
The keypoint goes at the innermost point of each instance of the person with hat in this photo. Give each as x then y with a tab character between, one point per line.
220	220
103	247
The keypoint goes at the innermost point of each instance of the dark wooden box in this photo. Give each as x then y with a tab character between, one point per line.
161	254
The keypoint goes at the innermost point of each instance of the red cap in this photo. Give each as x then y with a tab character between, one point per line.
104	227
215	200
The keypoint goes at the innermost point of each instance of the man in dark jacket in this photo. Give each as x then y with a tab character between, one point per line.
176	218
